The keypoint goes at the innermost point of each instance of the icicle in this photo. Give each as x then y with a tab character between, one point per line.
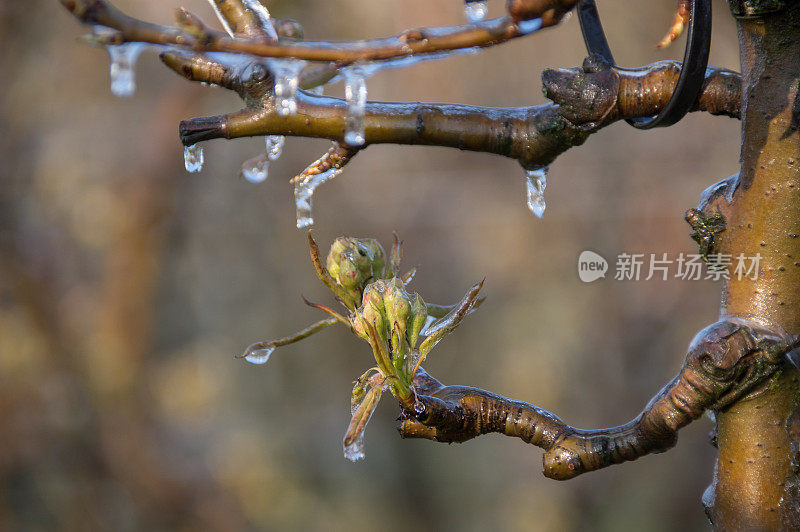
222	19
256	170
123	61
274	146
259	356
475	10
355	93
304	194
537	181
193	158
286	72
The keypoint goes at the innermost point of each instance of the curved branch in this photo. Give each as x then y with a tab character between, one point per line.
586	99
727	361
405	44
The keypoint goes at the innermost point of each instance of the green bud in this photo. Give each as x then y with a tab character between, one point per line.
398	309
419	315
353	262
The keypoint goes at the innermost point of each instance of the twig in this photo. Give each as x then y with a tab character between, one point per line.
731	360
407	43
586	99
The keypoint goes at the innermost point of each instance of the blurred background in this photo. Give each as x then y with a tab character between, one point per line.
127	286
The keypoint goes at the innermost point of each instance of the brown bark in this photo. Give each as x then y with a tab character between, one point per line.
756	480
587	99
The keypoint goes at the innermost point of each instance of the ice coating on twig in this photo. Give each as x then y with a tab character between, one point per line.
123	61
536	181
529	26
361	410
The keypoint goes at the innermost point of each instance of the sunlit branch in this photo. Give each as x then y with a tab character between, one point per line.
729	360
407	43
586	100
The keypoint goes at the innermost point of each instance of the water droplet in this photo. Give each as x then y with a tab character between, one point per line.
419	407
529	26
256	170
536	182
355	451
304	194
475	10
355	94
123	61
286	72
259	356
274	146
221	18
193	158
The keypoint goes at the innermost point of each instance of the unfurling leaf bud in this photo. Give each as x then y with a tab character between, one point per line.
354	262
419	315
398	310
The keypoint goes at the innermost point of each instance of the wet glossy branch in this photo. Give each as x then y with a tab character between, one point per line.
407	43
586	99
727	361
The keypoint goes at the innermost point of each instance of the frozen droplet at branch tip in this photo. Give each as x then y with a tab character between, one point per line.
193	158
355	451
256	170
536	181
259	356
476	10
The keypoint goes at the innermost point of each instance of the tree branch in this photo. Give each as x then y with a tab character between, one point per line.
405	44
586	99
727	361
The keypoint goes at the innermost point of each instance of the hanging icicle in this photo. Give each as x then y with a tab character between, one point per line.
123	62
536	180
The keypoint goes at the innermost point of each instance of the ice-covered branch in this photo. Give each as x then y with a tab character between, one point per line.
407	43
586	99
729	360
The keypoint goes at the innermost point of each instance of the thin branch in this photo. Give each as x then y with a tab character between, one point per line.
731	360
405	44
586	99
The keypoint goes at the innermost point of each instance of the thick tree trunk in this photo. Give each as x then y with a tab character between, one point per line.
756	480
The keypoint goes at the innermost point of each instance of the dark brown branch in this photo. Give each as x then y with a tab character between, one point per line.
729	360
586	99
410	42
